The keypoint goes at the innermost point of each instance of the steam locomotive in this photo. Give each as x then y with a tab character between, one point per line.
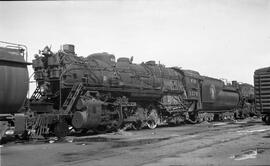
101	94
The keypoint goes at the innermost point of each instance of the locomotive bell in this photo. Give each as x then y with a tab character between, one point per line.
234	83
69	48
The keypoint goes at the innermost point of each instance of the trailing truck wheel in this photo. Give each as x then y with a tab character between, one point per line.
61	129
152	119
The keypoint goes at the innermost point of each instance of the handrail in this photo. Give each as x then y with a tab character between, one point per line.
18	46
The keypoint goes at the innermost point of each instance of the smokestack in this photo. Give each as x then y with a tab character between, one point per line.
69	48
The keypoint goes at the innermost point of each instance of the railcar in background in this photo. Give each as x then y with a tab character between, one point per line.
262	92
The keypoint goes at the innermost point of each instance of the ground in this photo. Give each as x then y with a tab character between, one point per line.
245	142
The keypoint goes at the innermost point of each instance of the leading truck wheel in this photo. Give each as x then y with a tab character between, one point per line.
152	119
116	120
100	129
61	129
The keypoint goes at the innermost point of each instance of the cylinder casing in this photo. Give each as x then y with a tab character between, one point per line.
89	117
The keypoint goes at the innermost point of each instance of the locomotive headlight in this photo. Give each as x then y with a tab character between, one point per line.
105	78
9	132
42	89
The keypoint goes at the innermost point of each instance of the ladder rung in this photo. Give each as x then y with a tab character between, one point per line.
72	96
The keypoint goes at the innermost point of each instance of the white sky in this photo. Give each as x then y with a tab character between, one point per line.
222	39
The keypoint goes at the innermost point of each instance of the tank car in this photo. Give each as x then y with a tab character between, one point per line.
13	87
103	94
262	92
